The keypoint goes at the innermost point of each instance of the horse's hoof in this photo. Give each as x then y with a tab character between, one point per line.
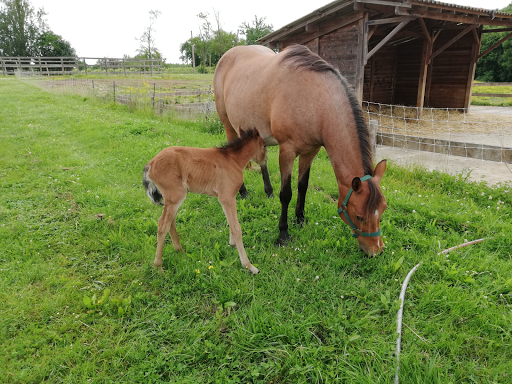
283	240
243	195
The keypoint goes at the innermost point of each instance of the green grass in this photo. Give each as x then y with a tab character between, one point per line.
75	225
496	101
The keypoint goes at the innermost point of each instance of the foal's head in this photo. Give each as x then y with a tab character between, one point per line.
250	140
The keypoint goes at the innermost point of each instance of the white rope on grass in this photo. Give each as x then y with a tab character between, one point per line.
402	298
399	319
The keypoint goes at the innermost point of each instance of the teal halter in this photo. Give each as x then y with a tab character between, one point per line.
343	209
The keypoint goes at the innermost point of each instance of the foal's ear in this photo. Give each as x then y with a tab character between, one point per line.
379	171
241	131
356	184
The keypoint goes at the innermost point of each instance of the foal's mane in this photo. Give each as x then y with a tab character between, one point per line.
239	142
301	57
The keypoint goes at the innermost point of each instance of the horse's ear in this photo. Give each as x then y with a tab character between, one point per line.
379	171
356	184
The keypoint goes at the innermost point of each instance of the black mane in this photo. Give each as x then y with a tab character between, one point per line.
301	57
239	142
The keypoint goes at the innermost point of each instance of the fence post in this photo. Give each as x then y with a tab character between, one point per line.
373	136
124	68
114	91
3	66
85	66
153	98
161	102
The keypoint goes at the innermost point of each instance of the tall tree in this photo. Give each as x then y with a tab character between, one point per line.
147	47
20	27
256	29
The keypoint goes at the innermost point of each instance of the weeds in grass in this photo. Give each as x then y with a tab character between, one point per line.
81	303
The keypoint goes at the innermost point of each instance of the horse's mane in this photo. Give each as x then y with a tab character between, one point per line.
239	142
301	57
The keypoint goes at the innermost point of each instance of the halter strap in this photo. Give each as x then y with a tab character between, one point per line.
343	209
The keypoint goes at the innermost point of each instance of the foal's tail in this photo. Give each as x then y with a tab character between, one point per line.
152	190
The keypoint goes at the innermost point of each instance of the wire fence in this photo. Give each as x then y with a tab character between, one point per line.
137	94
451	132
446	131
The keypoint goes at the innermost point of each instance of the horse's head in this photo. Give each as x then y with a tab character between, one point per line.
362	209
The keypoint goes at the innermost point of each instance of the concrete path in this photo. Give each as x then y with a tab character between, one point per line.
489	171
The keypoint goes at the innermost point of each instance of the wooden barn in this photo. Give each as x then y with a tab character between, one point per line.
417	52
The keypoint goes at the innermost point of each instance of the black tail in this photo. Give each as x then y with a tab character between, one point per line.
152	190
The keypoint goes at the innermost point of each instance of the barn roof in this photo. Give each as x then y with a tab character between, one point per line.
427	9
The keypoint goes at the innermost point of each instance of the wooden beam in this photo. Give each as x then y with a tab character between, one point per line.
390	20
450	42
475	35
326	29
383	2
475	48
494	46
397	29
452	17
311	27
425	29
422	80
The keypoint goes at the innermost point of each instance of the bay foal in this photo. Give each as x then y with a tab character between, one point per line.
210	171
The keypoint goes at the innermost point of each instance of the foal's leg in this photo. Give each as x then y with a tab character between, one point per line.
286	159
266	181
305	162
235	232
167	223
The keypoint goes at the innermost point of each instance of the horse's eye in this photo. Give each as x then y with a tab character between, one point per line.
361	219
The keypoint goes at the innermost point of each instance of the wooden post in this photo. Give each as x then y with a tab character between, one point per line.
40	67
114	83
199	94
475	50
85	66
422	81
373	136
62	65
106	69
3	66
161	104
153	98
124	68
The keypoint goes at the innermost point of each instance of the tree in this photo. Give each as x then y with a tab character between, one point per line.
496	66
49	44
20	28
147	47
209	44
255	30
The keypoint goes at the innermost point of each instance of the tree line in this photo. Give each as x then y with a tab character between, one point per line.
212	41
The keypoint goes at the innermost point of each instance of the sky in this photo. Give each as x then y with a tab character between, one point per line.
109	28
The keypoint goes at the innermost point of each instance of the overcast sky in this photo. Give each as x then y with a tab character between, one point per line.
108	28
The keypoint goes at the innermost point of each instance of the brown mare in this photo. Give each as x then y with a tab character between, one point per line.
210	171
301	103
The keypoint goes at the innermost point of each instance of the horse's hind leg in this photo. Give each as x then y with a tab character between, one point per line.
305	162
167	223
235	232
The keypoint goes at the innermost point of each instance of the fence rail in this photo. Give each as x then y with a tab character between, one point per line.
57	66
492	85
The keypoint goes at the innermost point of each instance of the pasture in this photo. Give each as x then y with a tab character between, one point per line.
81	303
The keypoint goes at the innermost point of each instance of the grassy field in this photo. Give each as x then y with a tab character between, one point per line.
497	101
81	303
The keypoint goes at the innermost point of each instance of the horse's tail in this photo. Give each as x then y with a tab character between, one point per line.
152	190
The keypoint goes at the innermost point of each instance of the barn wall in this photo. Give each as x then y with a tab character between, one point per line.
450	70
380	76
408	69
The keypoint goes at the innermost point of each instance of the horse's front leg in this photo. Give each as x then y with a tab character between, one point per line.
285	165
305	162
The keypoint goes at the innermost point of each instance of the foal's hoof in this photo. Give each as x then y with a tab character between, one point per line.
158	268
251	268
